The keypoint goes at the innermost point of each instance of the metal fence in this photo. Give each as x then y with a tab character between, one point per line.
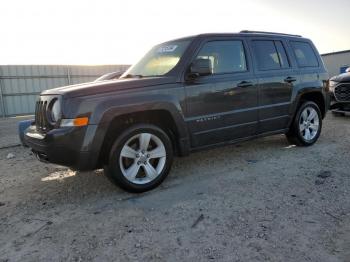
21	84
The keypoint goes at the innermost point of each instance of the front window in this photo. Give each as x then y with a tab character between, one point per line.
160	60
226	56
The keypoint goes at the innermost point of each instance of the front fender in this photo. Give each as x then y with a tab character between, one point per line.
105	109
135	105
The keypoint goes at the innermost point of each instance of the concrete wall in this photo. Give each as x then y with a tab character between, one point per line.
334	62
21	84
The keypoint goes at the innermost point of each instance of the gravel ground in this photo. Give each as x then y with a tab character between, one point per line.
8	131
261	200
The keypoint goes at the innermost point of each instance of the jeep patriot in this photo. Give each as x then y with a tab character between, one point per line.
184	95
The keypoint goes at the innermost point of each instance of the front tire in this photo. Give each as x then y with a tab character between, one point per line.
140	158
307	124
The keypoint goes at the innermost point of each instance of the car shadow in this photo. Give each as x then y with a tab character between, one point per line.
62	185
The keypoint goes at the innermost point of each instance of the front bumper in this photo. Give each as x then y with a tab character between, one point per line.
340	96
338	105
61	146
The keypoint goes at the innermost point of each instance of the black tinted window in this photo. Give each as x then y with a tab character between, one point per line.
270	55
305	54
282	54
225	56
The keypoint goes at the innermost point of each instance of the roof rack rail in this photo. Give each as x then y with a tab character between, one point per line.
263	32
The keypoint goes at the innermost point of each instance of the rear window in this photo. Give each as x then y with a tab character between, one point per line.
305	54
270	55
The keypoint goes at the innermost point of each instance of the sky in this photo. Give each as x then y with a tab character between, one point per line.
121	31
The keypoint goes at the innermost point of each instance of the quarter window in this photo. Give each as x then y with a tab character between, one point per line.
225	56
305	54
270	55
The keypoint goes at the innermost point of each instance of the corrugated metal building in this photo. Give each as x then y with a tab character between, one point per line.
21	84
337	62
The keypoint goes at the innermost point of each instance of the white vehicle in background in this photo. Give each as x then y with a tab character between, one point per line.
110	76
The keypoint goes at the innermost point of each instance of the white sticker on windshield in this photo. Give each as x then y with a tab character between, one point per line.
167	49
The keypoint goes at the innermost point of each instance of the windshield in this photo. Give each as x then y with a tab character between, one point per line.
159	60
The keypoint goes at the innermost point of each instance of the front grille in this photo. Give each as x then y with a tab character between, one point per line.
342	92
41	122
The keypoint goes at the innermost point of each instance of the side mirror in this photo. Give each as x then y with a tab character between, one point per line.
200	67
347	70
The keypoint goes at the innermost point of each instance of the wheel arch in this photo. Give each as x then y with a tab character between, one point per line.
163	118
315	96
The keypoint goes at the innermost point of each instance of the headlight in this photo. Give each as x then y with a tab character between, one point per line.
55	111
332	85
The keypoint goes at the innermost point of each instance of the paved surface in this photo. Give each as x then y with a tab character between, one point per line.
261	200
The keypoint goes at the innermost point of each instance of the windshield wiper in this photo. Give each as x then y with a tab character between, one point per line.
132	76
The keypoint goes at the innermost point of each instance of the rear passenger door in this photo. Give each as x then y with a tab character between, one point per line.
276	78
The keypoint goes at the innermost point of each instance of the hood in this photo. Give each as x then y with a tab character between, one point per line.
93	88
341	78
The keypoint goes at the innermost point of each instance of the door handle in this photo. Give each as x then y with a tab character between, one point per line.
290	79
244	84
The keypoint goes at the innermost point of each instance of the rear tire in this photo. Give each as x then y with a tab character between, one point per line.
140	158
307	124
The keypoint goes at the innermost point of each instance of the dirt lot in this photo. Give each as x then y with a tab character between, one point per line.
261	200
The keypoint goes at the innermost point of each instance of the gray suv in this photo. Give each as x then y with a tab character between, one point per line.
184	95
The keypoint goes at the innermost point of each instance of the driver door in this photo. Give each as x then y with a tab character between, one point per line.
222	106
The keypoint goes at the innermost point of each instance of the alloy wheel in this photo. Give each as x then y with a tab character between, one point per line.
309	123
142	158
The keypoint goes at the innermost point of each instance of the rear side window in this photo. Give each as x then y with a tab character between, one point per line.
282	54
305	54
270	55
225	56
